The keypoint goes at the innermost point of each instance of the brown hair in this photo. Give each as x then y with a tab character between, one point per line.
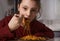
37	1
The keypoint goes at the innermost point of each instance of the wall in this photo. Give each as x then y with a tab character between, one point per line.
3	8
51	14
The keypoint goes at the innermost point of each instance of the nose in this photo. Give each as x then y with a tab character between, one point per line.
28	13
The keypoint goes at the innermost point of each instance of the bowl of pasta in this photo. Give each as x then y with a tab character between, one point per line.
32	38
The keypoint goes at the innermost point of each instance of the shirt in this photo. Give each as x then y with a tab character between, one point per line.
36	28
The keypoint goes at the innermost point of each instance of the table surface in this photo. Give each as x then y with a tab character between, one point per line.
54	39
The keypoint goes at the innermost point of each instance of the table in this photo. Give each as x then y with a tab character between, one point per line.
54	39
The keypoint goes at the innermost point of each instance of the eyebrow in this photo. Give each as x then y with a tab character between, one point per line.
28	7
34	8
25	6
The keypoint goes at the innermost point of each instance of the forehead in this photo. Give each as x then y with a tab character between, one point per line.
30	3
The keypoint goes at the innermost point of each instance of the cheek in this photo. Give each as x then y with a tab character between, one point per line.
33	16
21	11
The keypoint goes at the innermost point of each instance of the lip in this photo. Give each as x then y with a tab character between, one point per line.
26	18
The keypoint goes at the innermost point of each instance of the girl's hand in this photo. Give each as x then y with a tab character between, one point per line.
15	22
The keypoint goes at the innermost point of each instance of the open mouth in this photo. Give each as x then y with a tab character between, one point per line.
26	19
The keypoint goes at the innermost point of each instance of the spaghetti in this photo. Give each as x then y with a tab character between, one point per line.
27	30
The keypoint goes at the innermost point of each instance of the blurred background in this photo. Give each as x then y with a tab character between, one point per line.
50	12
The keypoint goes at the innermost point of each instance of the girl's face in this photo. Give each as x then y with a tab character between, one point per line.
28	8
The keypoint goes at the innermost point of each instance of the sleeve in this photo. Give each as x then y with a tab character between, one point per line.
45	31
48	32
4	29
19	32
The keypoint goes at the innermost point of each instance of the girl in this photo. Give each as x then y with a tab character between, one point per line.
13	27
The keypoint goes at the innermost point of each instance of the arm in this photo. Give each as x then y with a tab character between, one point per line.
44	31
4	29
49	33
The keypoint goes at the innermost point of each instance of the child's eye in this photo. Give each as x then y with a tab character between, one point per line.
24	8
34	10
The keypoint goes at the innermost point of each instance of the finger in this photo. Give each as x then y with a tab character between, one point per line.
21	18
16	15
